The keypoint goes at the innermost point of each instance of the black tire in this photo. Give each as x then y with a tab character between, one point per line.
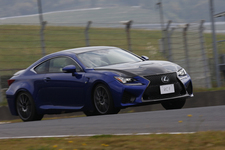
115	111
26	107
103	101
90	113
174	104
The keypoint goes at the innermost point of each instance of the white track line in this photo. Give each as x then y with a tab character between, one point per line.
62	11
89	135
4	122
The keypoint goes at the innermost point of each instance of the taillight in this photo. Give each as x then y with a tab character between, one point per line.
10	81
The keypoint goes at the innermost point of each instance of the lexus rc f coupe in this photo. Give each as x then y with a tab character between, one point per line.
97	80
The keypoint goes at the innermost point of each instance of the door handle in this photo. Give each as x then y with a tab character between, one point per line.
47	79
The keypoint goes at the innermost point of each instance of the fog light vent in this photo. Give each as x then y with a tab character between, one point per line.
128	98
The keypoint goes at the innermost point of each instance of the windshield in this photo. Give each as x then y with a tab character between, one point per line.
100	58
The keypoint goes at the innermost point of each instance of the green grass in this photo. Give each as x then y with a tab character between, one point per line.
20	45
197	141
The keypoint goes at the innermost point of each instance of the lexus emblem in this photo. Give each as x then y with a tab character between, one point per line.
165	79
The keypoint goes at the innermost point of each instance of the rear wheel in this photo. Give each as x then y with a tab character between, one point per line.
174	104
26	107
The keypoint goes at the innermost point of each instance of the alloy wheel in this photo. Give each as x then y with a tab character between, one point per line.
102	99
24	107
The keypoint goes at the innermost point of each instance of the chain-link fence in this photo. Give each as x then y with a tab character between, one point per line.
190	45
186	45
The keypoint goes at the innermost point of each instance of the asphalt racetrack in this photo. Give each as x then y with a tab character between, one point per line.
164	121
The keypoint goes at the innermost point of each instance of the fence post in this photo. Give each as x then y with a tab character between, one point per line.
43	23
127	28
169	53
186	47
42	37
87	33
162	27
169	43
204	57
215	52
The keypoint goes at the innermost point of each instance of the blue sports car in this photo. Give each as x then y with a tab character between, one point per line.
96	80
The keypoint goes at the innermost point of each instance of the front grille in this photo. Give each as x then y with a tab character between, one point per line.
153	90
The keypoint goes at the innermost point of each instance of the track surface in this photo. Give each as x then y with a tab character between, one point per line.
203	119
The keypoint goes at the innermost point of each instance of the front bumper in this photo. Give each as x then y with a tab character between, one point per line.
149	91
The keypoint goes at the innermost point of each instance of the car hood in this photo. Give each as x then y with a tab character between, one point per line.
141	68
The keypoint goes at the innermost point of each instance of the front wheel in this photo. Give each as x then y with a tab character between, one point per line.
26	107
90	113
102	101
174	104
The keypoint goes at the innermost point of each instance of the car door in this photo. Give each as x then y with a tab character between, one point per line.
63	89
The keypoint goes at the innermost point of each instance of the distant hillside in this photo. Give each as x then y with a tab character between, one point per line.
176	10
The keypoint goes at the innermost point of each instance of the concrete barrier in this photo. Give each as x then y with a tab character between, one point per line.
3	79
201	99
5	114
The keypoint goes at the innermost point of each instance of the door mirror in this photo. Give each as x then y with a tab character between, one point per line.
69	69
145	57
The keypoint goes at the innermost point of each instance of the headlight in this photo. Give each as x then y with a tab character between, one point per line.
128	81
181	72
124	80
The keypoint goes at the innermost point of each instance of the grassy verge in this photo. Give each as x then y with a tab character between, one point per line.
20	44
200	141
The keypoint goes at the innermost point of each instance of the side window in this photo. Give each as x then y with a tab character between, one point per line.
42	68
57	64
